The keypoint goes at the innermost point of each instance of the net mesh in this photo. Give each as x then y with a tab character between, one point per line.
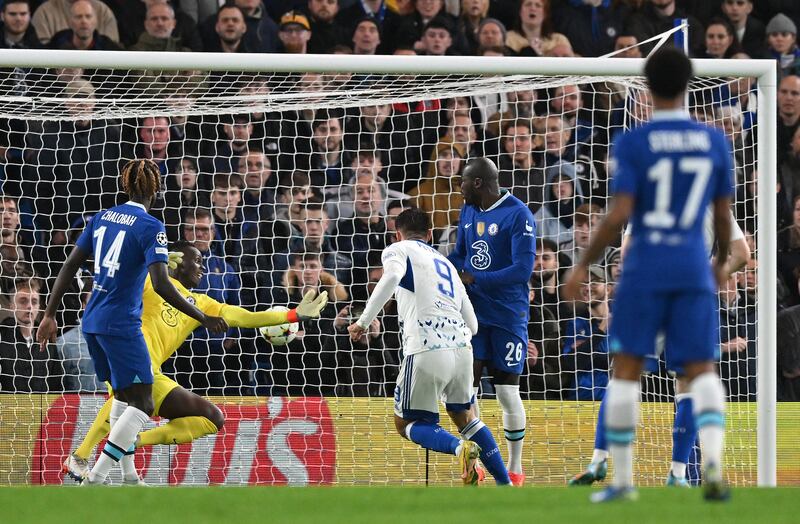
287	182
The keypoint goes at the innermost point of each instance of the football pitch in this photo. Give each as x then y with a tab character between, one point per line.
324	505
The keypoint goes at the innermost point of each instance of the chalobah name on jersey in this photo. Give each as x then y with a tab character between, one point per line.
119	218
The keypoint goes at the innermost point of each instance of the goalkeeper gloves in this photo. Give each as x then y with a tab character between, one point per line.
175	259
310	307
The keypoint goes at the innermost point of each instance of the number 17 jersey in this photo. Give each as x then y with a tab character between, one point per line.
124	241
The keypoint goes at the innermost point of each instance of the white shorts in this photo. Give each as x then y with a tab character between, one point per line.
430	377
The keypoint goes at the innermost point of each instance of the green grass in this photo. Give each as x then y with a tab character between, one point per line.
383	504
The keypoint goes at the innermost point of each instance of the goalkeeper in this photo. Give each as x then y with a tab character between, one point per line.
165	329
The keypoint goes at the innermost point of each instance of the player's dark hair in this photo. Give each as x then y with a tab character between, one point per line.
413	221
141	178
668	72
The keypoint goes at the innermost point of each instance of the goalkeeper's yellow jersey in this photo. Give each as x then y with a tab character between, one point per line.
164	327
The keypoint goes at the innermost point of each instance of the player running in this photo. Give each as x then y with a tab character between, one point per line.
437	322
494	252
666	173
684	431
165	329
126	244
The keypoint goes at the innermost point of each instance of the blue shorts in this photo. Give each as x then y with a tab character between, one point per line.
121	360
506	350
688	319
661	360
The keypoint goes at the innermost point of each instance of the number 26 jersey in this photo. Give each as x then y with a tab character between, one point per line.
123	241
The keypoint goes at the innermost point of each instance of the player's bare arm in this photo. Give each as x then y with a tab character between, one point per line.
722	232
167	291
48	327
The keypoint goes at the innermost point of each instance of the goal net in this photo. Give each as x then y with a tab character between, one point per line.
291	181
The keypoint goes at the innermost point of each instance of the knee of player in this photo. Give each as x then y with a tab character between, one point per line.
400	425
216	416
145	405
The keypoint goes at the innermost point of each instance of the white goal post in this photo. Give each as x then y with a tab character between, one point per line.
604	68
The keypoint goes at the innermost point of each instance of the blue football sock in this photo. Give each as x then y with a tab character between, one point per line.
684	431
477	432
433	437
600	431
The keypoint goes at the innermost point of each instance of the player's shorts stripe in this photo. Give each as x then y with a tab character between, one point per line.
514	435
406	400
620	436
710	418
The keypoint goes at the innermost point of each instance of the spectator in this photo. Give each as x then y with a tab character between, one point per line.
542	377
788	113
222	155
518	170
328	157
24	366
473	13
16	29
325	32
788	329
721	41
789	170
15	249
750	31
519	105
554	219
55	15
534	34
83	33
437	38
463	132
181	195
135	16
659	16
567	101
159	24
737	343
393	208
230	226
376	9
410	29
789	251
199	10
491	34
590	25
627	46
585	352
258	199
366	37
587	218
229	31
782	41
262	31
440	192
295	32
154	141
310	224
545	281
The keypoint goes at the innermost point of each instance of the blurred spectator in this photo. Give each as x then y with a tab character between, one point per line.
737	343
294	33
154	142
366	37
159	25
199	10
349	17
409	30
585	351
519	105
181	195
16	29
231	228
587	218
229	31
788	329
789	170
325	32
630	45
437	38
517	168
473	13
15	249
252	30
464	133
788	113
659	16
491	34
591	25
720	38
545	281
24	366
258	198
782	41
789	251
393	208
750	31
328	157
554	219
534	33
83	31
440	192
223	154
219	280
55	15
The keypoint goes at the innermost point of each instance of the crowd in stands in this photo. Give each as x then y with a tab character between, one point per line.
280	203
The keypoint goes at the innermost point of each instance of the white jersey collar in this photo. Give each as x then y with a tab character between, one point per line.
506	194
136	204
671	114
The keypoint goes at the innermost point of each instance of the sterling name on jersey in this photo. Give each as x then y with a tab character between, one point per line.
498	247
123	241
430	298
673	167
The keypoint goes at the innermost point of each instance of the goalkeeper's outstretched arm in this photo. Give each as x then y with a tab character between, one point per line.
309	307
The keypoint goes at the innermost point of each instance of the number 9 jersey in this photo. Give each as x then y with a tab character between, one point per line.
123	241
434	310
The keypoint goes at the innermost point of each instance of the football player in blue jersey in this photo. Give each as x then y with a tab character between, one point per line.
126	244
666	173
494	252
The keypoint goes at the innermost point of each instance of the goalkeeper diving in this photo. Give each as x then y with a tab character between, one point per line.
165	330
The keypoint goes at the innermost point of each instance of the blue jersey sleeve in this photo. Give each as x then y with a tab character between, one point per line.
153	240
523	252
723	186
623	171
459	253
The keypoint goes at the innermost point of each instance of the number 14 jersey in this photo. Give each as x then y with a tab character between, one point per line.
431	300
123	242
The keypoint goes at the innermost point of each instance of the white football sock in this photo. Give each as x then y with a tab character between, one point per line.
121	438
709	411
513	424
475	408
126	463
599	455
622	414
679	470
